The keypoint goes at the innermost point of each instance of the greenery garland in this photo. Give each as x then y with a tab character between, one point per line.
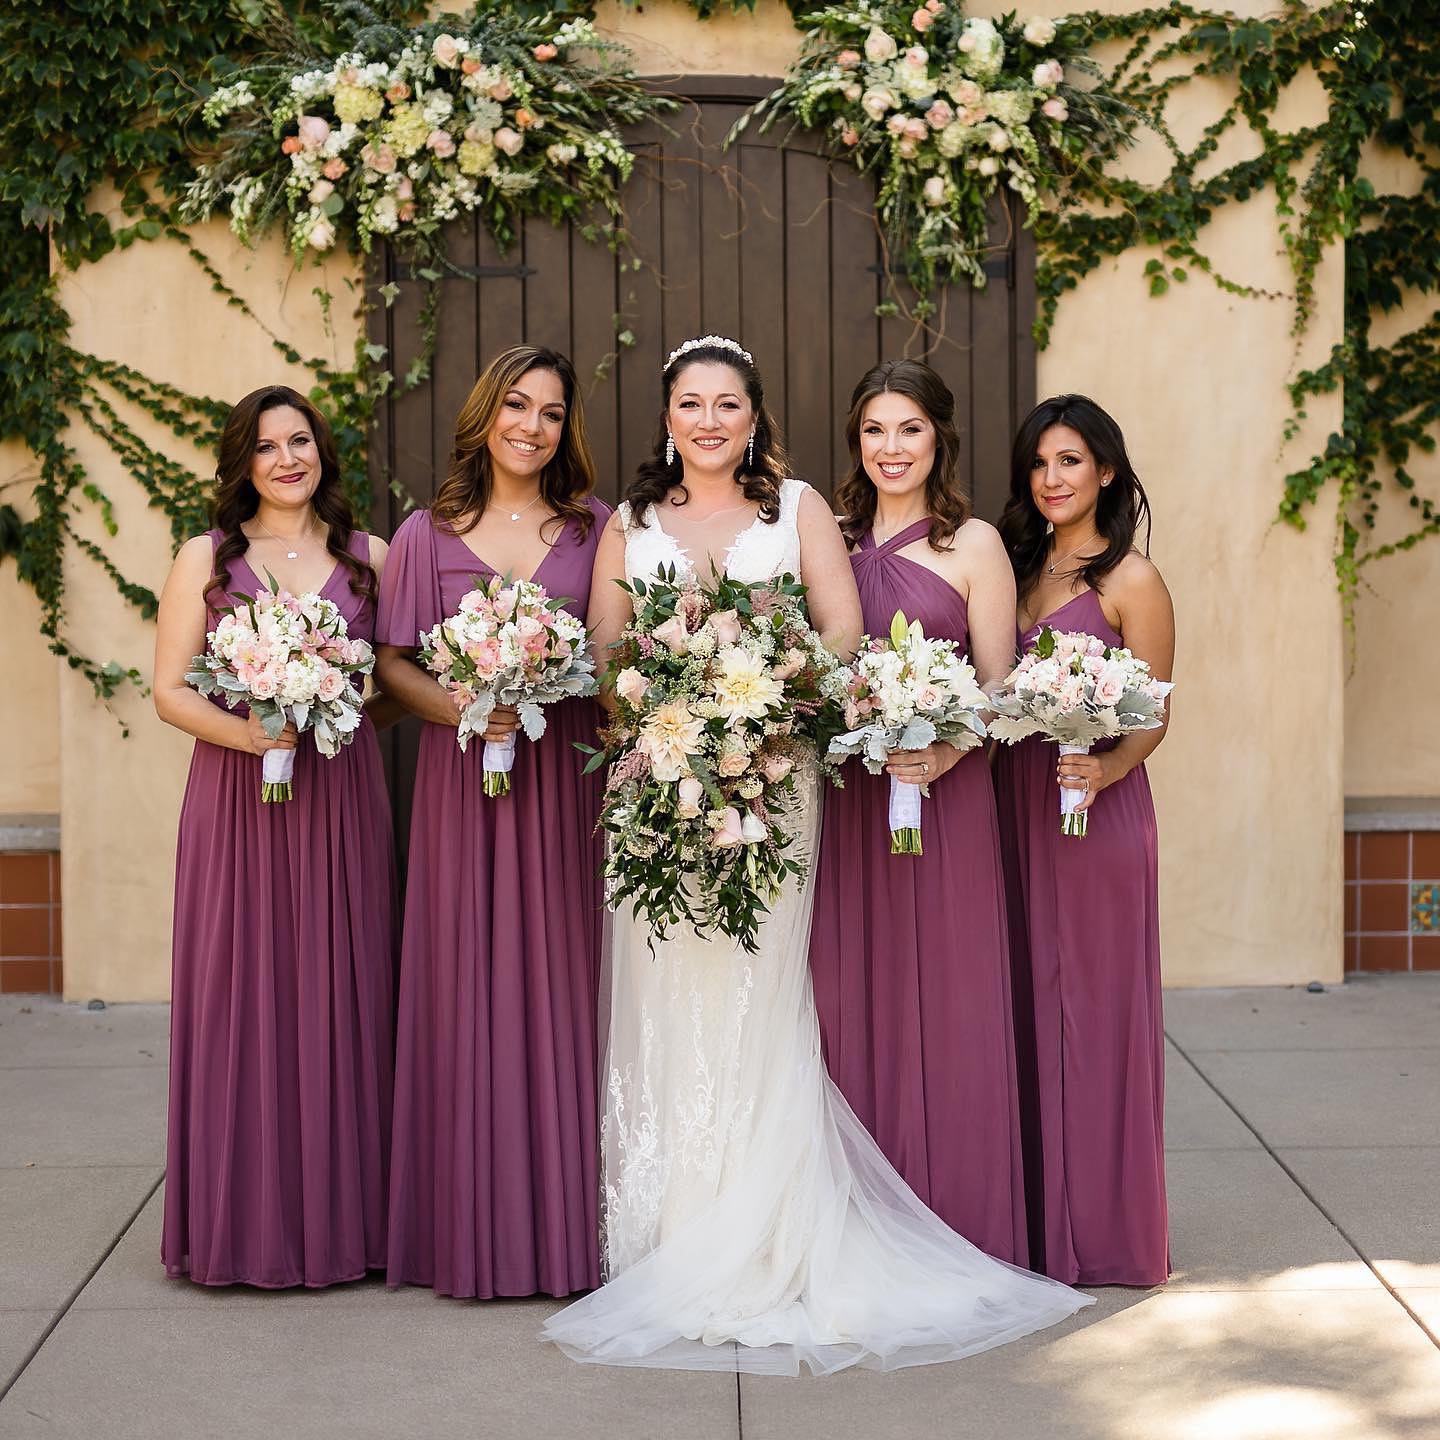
96	93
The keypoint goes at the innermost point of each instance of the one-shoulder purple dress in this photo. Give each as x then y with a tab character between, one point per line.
1085	953
909	961
280	1022
495	1177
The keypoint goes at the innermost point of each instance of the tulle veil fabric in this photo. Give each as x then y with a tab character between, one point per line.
743	1201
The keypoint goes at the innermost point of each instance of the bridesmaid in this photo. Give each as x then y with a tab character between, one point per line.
495	1185
908	954
280	1038
1084	923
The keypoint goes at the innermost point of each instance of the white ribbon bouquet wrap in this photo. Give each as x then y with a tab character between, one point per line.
905	692
509	643
290	659
1075	689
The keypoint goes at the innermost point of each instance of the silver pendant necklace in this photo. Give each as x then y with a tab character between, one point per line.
516	514
289	554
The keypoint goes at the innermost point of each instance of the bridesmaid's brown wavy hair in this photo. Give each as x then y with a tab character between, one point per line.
947	503
759	479
564	482
236	500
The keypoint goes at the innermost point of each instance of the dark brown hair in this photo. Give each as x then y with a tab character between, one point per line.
855	495
236	501
564	482
759	479
1119	513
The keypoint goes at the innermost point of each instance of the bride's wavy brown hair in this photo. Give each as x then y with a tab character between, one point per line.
564	482
855	496
759	479
236	500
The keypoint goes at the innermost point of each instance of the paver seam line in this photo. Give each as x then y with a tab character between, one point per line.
1307	1049
74	1295
1305	1190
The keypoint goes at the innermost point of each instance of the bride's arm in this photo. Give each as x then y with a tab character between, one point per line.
825	568
609	611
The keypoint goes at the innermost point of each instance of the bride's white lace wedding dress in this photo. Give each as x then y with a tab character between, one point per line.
743	1202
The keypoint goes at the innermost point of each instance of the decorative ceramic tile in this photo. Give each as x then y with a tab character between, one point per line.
1425	907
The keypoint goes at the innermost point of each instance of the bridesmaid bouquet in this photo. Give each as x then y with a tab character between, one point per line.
905	692
722	693
508	644
1073	688
289	658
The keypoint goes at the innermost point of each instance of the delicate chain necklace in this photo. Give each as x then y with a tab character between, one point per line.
1050	568
516	514
290	554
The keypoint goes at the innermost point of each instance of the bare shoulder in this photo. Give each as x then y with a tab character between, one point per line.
815	509
1137	580
378	551
195	558
979	540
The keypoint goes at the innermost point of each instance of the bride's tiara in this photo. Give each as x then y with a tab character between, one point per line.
708	342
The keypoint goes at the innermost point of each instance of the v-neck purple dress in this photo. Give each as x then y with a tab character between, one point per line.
909	961
495	1182
280	1021
1085	952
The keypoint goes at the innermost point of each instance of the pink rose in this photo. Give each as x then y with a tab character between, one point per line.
935	191
631	685
775	768
334	168
928	698
689	793
896	124
967	41
917	56
441	143
350	75
908	148
939	115
446	50
916	128
321	235
320	192
545	52
935	7
314	131
848	59
672	633
501	90
726	625
405	189
1110	686
397	92
379	158
1055	109
922	20
850	136
728	835
508	140
792	662
733	762
266	684
332	685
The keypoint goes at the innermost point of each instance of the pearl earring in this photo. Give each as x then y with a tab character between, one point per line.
750	451
669	448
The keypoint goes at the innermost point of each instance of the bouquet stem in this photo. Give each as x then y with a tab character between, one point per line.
499	759
1073	820
905	802
277	767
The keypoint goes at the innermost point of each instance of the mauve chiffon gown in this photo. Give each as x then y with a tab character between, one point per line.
280	1024
1085	954
495	1179
909	961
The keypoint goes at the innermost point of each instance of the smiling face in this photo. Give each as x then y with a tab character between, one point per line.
1065	480
285	465
711	417
897	444
528	429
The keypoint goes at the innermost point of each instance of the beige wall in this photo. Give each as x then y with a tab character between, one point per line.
1248	785
120	799
29	706
1391	701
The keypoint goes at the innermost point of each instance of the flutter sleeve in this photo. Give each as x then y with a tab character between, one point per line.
410	598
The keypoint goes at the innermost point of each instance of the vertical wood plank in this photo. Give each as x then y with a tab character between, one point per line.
762	326
806	308
719	256
501	297
457	339
991	389
681	250
547	291
592	296
642	304
855	291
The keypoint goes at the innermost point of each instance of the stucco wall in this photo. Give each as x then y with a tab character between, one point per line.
120	799
1248	785
29	707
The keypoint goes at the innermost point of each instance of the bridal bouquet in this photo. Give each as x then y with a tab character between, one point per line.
722	693
1075	689
508	644
904	693
289	658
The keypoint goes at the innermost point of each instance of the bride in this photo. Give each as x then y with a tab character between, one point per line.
749	1220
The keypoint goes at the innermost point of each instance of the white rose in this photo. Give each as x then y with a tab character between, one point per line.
935	191
998	140
988	165
446	51
880	47
508	140
1039	31
876	101
321	235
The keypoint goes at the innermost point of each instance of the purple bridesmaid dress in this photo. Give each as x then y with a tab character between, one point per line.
1085	953
495	1183
909	961
280	1028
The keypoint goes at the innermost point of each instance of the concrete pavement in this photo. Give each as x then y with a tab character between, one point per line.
1304	1167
